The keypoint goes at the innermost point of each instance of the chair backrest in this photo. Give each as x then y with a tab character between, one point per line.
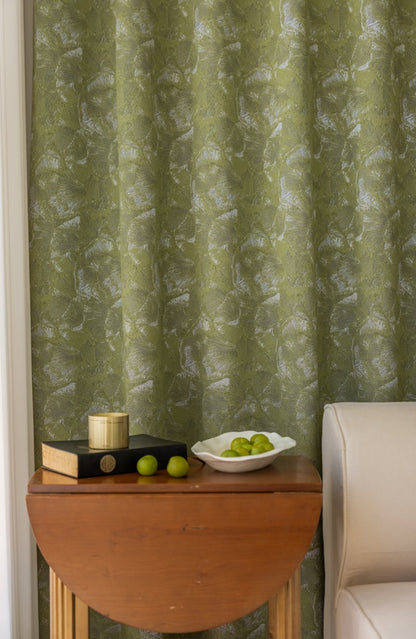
369	496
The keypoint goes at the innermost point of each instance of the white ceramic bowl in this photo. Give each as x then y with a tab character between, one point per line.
210	451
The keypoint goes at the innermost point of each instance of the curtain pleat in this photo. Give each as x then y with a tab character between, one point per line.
222	223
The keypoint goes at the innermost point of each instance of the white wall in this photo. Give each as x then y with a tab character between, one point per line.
18	584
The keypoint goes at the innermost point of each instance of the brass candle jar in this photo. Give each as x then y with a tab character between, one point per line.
108	430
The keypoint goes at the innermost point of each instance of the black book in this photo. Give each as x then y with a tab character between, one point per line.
76	459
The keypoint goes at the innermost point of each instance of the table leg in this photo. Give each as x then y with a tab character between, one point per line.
284	610
68	614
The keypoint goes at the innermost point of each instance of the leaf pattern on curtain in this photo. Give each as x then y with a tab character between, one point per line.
222	222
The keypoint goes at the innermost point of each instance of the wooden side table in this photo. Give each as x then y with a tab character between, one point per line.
176	555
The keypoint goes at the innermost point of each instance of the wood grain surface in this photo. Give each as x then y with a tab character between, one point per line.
178	561
287	473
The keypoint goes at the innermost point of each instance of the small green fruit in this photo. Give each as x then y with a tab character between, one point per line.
177	466
229	453
147	465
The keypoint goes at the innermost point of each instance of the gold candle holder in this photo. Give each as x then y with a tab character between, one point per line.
108	430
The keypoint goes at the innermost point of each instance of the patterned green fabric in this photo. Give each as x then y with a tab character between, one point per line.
222	220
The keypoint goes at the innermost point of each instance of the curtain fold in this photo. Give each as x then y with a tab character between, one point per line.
222	222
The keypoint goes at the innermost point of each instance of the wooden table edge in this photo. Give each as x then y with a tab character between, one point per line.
291	473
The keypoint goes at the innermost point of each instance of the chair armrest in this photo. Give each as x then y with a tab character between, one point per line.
369	492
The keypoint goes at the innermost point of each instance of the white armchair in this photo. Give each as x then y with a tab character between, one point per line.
369	520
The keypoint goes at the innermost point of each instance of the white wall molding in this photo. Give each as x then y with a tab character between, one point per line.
18	590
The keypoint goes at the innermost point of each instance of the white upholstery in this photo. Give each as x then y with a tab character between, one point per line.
369	516
377	611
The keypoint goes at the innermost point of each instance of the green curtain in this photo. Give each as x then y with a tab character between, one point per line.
222	222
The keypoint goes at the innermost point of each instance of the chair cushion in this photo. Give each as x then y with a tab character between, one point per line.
377	611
